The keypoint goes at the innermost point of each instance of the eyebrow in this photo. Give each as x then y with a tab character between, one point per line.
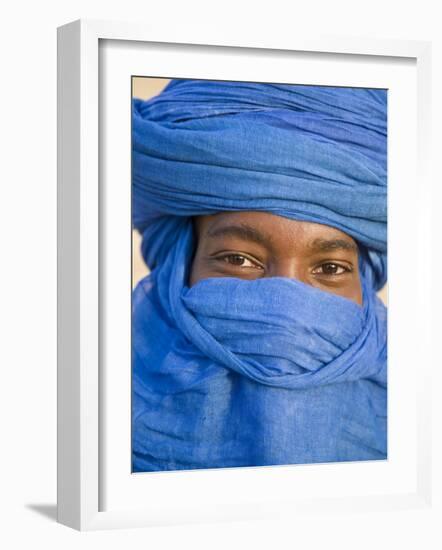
242	231
249	233
326	245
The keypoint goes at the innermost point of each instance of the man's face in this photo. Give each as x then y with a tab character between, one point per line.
253	245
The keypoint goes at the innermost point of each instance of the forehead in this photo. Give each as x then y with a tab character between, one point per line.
275	230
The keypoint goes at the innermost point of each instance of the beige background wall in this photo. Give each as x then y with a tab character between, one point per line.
144	88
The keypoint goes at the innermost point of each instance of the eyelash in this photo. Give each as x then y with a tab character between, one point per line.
227	257
344	269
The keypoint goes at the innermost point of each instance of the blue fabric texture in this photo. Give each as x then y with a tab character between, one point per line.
273	371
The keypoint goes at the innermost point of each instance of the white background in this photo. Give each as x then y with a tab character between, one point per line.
28	283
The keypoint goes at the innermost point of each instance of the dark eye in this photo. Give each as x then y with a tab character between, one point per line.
238	260
330	268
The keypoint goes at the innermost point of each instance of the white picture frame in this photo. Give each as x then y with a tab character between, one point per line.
91	495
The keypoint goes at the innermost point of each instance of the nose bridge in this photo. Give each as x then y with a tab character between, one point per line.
288	267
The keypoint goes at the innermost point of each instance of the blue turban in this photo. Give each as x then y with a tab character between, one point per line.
244	373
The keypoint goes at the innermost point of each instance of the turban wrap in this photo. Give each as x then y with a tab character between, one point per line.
242	373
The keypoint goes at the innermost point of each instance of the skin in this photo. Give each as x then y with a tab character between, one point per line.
252	245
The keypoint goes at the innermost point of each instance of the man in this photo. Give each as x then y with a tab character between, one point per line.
258	338
252	245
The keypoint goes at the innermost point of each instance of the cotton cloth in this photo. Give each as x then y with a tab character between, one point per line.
247	373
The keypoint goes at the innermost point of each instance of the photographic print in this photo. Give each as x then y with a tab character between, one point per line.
259	270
